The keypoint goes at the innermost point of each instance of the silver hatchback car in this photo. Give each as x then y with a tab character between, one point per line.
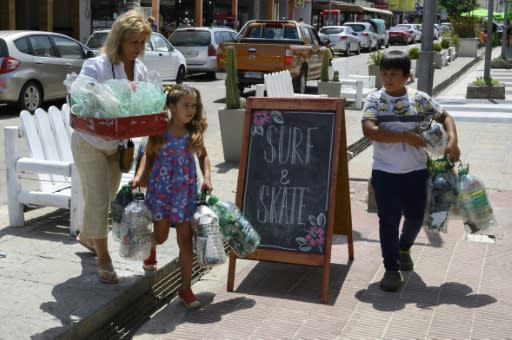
34	64
199	46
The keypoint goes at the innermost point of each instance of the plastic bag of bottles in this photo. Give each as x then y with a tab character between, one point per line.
135	234
441	194
208	244
234	226
123	197
474	205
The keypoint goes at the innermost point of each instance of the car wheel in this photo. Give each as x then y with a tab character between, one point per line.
180	76
358	51
31	97
299	85
347	51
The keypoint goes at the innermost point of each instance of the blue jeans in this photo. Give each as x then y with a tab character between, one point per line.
397	195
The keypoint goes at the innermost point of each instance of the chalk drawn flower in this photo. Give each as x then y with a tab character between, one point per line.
315	234
262	118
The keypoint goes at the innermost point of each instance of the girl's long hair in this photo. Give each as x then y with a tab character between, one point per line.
196	127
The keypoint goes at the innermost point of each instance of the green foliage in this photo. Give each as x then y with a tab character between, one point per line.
480	81
465	27
456	7
452	37
445	43
375	58
414	53
232	91
326	60
436	47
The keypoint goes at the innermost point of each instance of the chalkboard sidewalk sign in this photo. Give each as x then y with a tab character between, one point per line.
293	180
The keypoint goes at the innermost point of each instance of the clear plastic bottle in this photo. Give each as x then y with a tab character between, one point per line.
234	226
135	231
208	243
123	198
475	209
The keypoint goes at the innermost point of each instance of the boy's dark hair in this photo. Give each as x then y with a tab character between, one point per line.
396	59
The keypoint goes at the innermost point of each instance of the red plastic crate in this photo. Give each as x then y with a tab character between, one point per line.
123	127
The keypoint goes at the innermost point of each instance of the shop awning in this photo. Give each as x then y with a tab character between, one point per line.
377	11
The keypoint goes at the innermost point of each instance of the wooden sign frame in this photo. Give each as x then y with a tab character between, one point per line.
338	207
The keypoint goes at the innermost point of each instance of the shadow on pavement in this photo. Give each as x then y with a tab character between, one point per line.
415	291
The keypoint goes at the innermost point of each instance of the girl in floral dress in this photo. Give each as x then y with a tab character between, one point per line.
168	169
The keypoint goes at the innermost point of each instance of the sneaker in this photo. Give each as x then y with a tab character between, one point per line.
149	264
188	298
406	264
391	281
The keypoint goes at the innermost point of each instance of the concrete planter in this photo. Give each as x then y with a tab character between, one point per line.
468	47
231	123
374	70
438	60
485	92
330	88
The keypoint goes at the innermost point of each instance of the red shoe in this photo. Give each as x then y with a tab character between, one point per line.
149	264
188	298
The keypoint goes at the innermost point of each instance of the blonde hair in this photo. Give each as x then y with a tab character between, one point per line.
196	127
127	24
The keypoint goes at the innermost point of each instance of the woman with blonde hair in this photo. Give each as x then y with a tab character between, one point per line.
97	159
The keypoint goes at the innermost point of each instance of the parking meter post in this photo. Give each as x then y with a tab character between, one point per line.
426	81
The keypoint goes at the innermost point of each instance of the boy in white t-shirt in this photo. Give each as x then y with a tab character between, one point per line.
399	172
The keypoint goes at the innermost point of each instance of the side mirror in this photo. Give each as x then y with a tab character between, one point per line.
89	54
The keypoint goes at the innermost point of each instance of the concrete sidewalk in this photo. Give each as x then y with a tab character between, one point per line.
458	288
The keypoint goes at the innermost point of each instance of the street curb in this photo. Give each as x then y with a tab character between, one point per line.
448	81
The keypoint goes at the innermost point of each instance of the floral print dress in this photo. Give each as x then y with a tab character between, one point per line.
172	188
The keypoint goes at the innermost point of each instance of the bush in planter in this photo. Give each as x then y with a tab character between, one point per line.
481	88
436	47
465	27
375	58
445	43
480	81
414	53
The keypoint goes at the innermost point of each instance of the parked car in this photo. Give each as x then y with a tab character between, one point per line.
367	35
34	64
380	28
199	46
160	55
400	35
414	29
343	39
437	31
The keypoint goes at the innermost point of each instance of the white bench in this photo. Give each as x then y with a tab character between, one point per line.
357	87
48	137
280	84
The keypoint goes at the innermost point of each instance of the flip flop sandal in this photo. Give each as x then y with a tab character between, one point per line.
107	276
86	245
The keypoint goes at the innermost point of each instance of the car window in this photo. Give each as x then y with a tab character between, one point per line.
3	48
96	41
314	37
190	37
331	30
219	37
234	35
68	48
23	45
41	46
227	36
290	33
357	28
159	43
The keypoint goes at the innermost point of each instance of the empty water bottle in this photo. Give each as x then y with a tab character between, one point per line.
135	233
475	209
123	198
208	243
234	226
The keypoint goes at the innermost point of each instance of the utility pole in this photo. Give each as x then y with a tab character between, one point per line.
426	80
504	36
488	42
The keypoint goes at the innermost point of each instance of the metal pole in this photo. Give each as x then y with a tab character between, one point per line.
504	37
426	61
488	43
